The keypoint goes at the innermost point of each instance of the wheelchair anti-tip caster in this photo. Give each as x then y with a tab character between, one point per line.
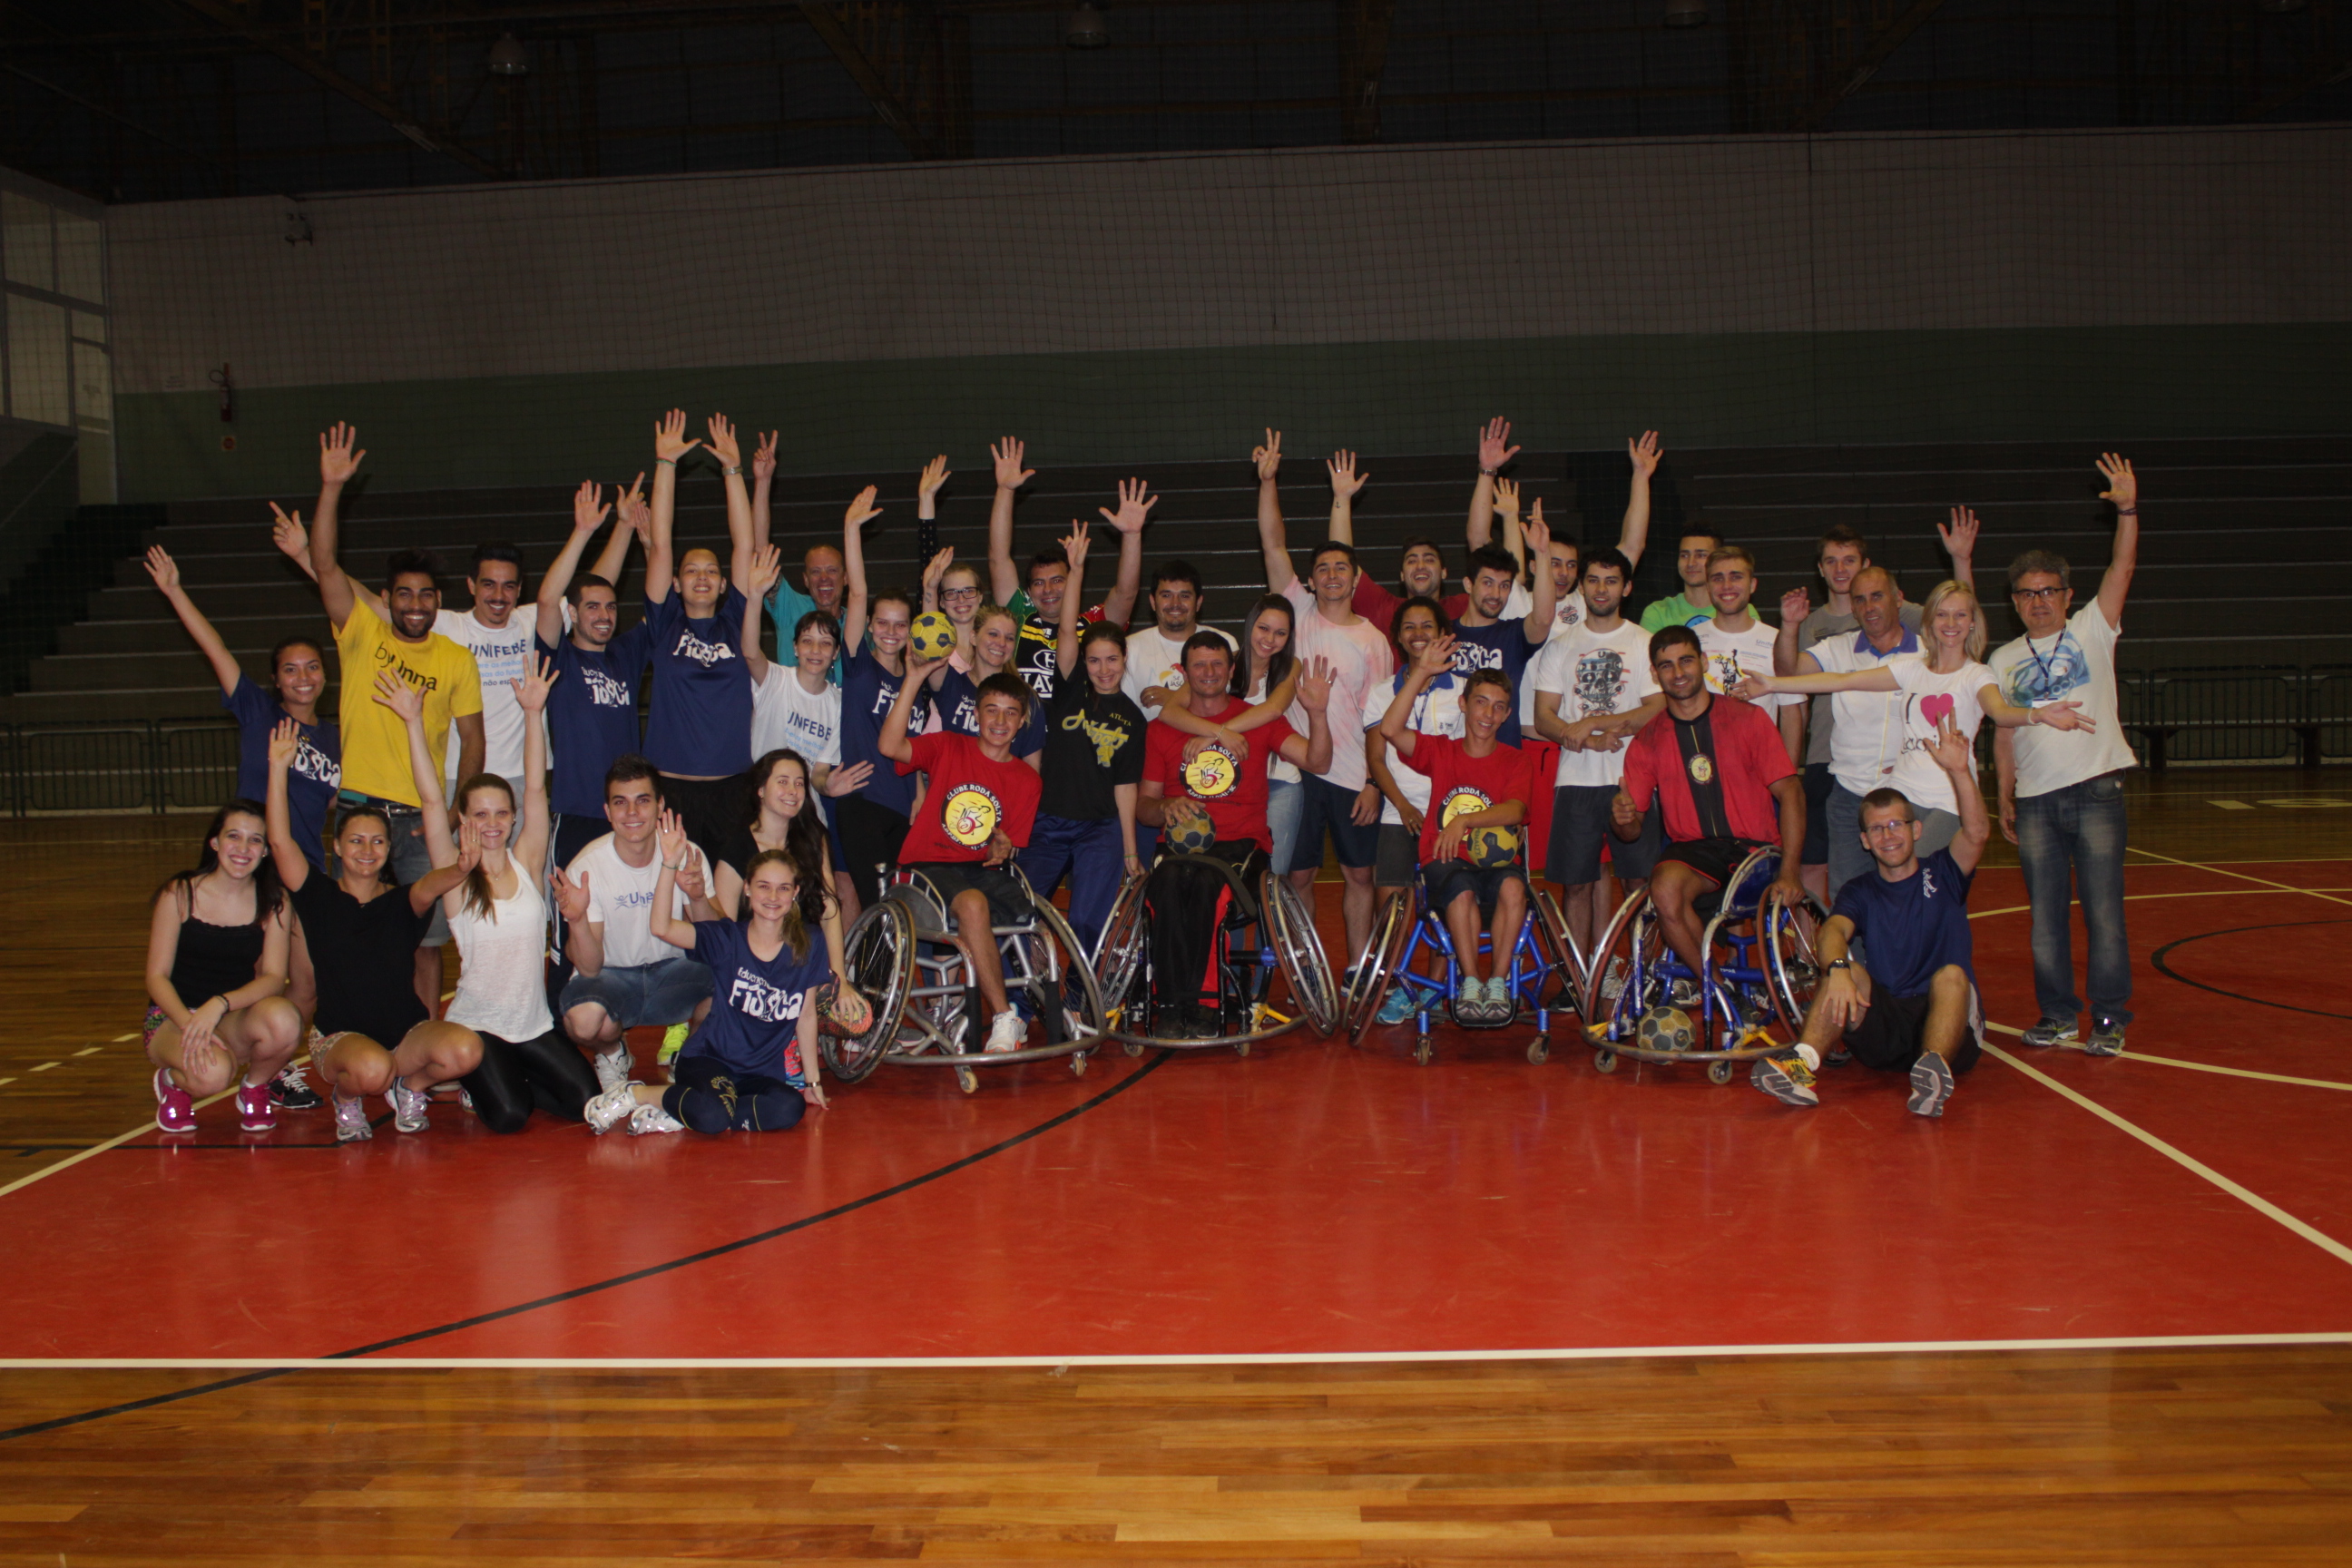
1718	1072
1604	1061
1078	1064
1423	1050
1538	1050
967	1080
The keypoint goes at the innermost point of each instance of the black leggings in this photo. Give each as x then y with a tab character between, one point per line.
518	1077
871	836
710	1097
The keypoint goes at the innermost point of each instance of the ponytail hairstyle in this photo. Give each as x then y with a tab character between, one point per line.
802	914
480	901
269	891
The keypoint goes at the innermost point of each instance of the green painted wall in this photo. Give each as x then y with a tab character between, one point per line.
2090	384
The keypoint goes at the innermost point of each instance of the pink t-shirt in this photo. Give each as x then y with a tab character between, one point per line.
1360	658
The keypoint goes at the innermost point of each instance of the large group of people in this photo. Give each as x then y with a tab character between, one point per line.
490	781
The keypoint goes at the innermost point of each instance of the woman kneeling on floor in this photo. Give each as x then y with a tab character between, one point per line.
752	1063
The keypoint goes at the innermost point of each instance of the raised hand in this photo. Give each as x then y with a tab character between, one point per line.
469	845
722	442
767	568
1437	658
1345	480
631	507
538	675
690	879
1506	498
669	437
1315	680
570	898
162	568
1960	535
1010	474
1134	507
935	474
1537	533
763	458
336	461
2123	485
403	699
847	779
588	508
1493	451
674	842
936	568
1073	546
1644	453
1950	750
1268	458
287	533
285	741
1795	605
862	509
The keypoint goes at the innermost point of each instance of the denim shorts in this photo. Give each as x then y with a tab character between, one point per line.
663	993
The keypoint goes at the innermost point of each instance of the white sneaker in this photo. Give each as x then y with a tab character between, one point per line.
1006	1032
610	1109
408	1107
653	1119
614	1067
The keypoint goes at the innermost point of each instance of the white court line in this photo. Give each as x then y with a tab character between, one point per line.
2254	1201
2224	871
115	1143
1266	1358
2201	893
2197	1066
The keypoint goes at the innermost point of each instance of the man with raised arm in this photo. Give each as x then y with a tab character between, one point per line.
501	648
1421	566
592	709
1484	639
1915	1008
401	641
699	735
1338	799
2062	790
1038	605
824	568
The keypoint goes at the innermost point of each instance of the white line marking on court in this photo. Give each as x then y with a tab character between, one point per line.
2200	893
2196	1067
114	1142
2203	865
1267	1358
2252	1200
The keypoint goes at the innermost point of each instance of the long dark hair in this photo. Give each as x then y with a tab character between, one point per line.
1277	668
268	892
805	835
799	917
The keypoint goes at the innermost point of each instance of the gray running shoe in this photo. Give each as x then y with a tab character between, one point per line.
610	1109
1786	1078
2106	1038
352	1121
2049	1032
408	1107
1931	1084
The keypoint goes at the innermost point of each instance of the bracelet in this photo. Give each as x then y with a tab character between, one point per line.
670	461
736	469
1490	473
667	867
2131	511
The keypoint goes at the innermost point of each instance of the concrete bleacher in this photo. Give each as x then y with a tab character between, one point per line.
2245	551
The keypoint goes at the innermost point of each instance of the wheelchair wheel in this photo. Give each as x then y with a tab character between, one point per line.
1622	976
1117	958
1290	930
1791	964
1557	947
880	953
1071	1003
1392	931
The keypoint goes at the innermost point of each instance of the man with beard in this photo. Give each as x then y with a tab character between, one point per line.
592	709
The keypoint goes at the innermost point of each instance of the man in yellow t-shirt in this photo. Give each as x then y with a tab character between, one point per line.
400	639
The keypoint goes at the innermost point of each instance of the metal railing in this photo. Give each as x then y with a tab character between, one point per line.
128	765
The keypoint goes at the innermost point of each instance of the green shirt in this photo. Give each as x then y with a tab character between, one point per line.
1677	611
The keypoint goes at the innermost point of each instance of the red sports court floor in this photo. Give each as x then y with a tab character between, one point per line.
1309	1200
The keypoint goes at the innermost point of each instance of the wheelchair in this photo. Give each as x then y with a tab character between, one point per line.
1546	974
902	956
1265	930
1758	968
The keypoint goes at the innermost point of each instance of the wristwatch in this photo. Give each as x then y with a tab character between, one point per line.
1841	964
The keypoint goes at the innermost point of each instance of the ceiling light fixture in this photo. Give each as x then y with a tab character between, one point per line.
1083	28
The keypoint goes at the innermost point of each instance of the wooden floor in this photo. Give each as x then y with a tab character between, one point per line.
2234	1453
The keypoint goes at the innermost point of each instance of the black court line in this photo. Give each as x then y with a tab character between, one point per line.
651	1270
2156	958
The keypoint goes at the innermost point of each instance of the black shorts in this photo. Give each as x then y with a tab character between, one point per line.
1449	879
1889	1034
1325	806
1006	904
1400	857
1818	785
1580	831
711	810
1714	859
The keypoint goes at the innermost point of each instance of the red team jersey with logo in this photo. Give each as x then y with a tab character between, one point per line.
968	798
1460	782
1748	756
1232	791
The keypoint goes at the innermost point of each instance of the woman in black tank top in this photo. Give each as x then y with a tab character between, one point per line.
216	950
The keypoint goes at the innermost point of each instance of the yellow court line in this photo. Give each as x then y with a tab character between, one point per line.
2201	893
115	1143
2252	1200
2234	1072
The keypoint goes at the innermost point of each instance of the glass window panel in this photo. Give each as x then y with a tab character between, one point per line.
41	382
89	327
93	376
24	238
81	265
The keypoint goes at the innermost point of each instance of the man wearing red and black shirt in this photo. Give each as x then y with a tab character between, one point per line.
1230	792
1717	767
1475	782
977	810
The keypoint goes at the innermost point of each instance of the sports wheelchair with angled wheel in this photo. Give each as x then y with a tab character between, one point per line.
1261	931
1758	972
902	956
1546	974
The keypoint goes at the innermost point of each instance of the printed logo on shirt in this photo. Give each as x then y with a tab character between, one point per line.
885	694
969	815
312	764
1469	656
1601	681
631	900
1702	769
1926	882
1723	670
1107	738
604	691
755	998
809	724
2044	677
388	658
1213	773
1461	799
705	654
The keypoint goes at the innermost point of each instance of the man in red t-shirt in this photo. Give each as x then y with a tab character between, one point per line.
1717	767
1185	893
977	809
1475	782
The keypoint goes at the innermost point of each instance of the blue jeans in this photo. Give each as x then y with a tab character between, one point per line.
1285	799
1089	853
2076	835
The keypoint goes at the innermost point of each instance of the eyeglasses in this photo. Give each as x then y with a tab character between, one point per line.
946	593
2042	594
1893	826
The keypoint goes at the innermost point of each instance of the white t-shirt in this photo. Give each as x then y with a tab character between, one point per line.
502	655
1866	737
621	900
1436	711
1730	655
1928	697
1359	657
784	715
502	984
1595	673
1154	658
2077	665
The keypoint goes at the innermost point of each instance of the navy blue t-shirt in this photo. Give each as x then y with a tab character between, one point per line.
1504	647
592	716
866	692
957	703
1914	927
311	779
755	1008
701	724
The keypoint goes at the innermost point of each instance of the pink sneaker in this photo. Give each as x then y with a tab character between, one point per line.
175	1110
256	1112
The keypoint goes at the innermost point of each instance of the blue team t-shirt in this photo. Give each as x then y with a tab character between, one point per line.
867	691
311	779
701	724
957	703
1914	927
592	716
753	1023
1504	646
